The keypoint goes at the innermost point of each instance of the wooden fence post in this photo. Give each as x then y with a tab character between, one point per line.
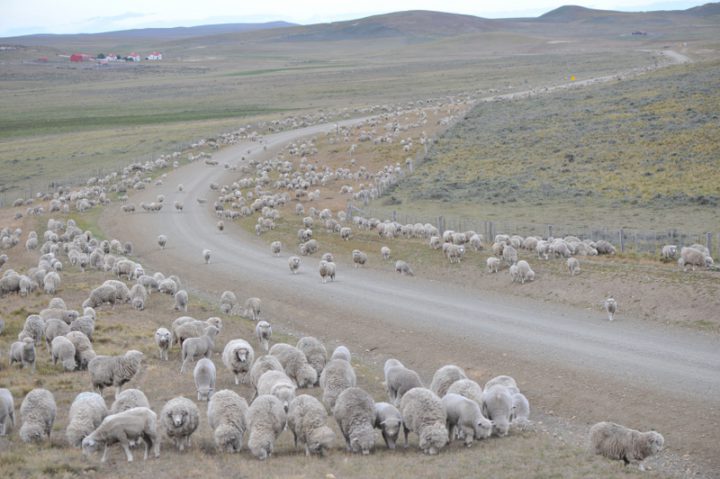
622	241
708	242
549	231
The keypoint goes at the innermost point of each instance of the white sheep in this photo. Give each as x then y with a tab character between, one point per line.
385	253
101	295
520	417
238	357
262	365
162	241
181	301
354	412
359	258
444	377
198	347
37	414
180	418
294	264
252	308
23	352
227	416
467	388
423	413
503	380
493	264
399	380
403	268
204	375
129	399
696	255
525	273
125	427
611	307
263	333
295	364
314	352
163	340
279	385
87	411
51	282
63	350
307	419
389	420
84	352
669	251
228	300
114	371
497	406
573	266
514	273
621	443
7	412
327	271
341	352
206	255
54	328
275	248
465	414
266	419
337	376
84	324
220	226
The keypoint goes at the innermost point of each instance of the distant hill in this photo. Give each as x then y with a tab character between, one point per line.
704	10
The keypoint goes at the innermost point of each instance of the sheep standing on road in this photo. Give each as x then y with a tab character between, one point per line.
307	419
354	412
327	271
610	306
263	332
180	418
37	413
206	255
162	241
266	419
204	375
403	268
227	413
124	427
359	258
294	263
423	413
621	443
275	248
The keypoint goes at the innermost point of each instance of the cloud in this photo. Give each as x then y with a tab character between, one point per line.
118	18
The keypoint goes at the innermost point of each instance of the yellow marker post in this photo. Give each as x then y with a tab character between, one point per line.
572	77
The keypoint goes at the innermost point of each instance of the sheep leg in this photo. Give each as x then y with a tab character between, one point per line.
117	391
104	456
406	431
128	452
307	449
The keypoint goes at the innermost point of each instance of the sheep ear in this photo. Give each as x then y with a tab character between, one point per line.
383	422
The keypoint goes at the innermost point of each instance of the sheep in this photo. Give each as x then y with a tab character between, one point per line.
275	248
621	443
403	268
180	418
337	376
669	251
327	270
195	348
7	412
604	247
114	370
497	406
227	413
307	419
263	332
341	352
308	248
520	417
181	301
252	308
266	419
204	375
84	324
507	381
294	263
64	350
399	380
465	414
359	258
186	327
163	340
573	266
162	241
345	233
129	399
514	273
206	255
51	282
23	352
125	427
354	412
423	413
238	357
444	377
693	256
54	328
509	254
228	300
168	286
389	421
295	364
87	411
385	253
84	352
101	295
220	226
34	328
525	273
261	366
314	352
279	385
37	413
611	307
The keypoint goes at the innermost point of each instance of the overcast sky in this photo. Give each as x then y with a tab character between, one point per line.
23	17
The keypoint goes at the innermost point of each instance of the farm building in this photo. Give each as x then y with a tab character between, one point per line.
80	57
155	56
133	57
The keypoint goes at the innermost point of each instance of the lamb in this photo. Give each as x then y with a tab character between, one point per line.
129	399
252	308
181	301
261	366
195	348
206	255
444	377
514	273
204	376
163	340
263	332
341	352
337	376
467	388
84	352
275	248
100	295
403	268
497	406
621	443
399	380
228	300
359	258
238	357
327	270
162	241
465	414
37	413
423	413
23	352
314	352
507	381
266	419
307	419
354	412
294	263
114	370
610	306
7	412
385	253
180	418
86	413
525	273
389	421
295	364
64	350
125	427
279	385
227	413
573	266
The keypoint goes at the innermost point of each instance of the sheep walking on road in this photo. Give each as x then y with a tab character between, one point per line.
610	306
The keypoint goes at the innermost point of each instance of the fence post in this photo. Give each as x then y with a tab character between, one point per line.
622	241
549	231
708	242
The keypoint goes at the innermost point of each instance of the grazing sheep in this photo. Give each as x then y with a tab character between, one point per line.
359	258
604	247
227	413
181	301
37	413
84	324
314	352
163	340
162	241
385	253
266	419
129	399
180	418
206	255
514	273
327	270
64	351
509	254
34	328
399	380
520	417
101	295
389	421
295	364
610	306
341	352
204	375
696	255
86	413
525	273
507	381
263	332
354	412
275	248
403	268
467	388
51	282
198	347
465	414
84	352
621	443
252	308
125	427
423	413
573	266
444	377
261	366
114	371
7	412
497	406
23	352
294	263
54	328
168	286
238	357
279	385
337	376
228	300
307	419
